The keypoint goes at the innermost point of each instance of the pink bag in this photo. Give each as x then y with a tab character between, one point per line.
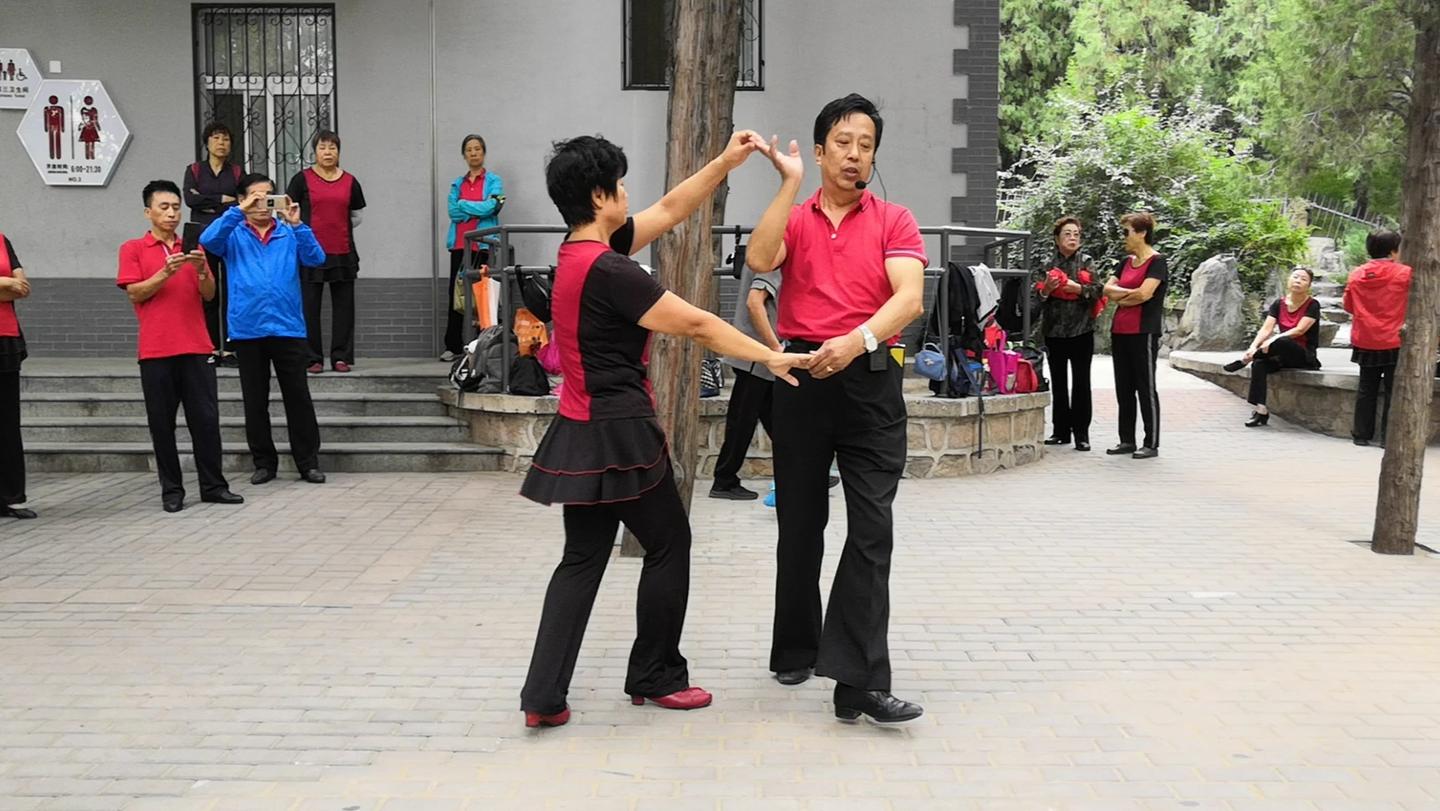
1004	367
549	357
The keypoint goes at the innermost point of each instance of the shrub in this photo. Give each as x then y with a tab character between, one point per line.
1111	156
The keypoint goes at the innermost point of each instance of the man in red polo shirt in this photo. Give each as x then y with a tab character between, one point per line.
166	285
854	270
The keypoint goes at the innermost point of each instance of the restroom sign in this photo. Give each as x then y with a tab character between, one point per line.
18	78
73	133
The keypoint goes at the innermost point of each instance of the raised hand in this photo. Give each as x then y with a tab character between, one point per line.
291	214
253	201
790	166
741	146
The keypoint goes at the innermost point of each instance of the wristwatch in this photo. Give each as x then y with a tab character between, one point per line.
869	337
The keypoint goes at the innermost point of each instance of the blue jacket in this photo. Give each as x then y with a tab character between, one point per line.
487	210
262	279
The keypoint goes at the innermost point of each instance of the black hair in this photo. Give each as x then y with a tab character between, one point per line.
251	179
214	127
576	169
157	186
837	110
325	136
1381	243
473	137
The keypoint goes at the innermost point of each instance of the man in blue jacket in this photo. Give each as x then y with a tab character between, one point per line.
266	319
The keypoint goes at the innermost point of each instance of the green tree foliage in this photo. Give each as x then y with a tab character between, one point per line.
1110	157
1035	51
1327	85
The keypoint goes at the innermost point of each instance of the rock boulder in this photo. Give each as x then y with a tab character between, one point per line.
1214	319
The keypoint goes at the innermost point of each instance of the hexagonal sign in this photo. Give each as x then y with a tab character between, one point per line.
73	133
18	78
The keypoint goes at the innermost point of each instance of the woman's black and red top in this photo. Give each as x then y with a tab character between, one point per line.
605	445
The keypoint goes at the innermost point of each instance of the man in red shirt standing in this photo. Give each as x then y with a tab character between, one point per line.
854	270
1376	295
166	285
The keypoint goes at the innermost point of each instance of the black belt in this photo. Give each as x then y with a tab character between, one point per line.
798	345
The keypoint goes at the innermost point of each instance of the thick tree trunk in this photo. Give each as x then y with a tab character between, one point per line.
704	67
1397	509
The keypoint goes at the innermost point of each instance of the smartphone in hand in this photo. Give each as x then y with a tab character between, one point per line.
190	237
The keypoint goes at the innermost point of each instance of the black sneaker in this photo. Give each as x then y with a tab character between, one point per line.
734	492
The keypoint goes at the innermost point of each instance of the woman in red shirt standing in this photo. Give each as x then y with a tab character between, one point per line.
1297	317
13	286
1138	292
1375	296
330	200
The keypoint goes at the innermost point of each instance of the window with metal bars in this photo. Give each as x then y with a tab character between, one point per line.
268	73
646	55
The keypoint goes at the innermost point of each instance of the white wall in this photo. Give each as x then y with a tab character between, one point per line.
520	73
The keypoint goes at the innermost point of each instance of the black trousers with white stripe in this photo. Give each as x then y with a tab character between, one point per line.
1134	357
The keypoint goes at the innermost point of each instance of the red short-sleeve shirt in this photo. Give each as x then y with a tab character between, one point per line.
172	322
835	278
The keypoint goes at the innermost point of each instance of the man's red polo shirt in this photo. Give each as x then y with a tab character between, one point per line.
835	277
172	322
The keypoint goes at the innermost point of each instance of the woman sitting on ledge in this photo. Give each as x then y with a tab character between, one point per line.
1297	317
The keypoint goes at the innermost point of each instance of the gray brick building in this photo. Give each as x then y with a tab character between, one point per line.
403	82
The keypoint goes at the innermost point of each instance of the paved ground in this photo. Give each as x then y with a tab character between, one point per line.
1196	631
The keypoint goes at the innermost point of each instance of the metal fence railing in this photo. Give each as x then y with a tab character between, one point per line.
1006	252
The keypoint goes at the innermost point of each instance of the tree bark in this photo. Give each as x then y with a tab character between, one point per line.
705	64
1397	510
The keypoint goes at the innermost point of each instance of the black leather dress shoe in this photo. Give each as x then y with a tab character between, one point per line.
1234	365
794	677
6	511
1082	445
223	497
313	475
1055	440
1121	449
1145	453
734	492
878	705
262	475
173	505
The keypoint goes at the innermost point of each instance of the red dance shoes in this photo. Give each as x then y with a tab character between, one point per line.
536	719
691	698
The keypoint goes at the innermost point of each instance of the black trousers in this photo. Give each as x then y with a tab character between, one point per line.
751	401
1134	357
455	320
856	417
1070	366
342	320
215	316
1284	353
12	450
656	667
1375	381
169	383
289	357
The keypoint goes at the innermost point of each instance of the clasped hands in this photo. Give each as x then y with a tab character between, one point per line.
830	359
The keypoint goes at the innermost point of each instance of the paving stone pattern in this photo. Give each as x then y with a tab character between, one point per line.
1086	632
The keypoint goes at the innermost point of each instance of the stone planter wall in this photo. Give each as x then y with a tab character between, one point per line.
944	435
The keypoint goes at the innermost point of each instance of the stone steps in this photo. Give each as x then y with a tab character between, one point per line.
342	429
346	457
89	416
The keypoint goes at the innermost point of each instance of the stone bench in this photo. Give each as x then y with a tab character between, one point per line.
1322	400
944	435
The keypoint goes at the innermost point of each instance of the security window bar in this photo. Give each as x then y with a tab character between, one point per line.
646	56
268	73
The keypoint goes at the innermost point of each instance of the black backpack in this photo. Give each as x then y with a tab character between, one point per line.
478	369
527	377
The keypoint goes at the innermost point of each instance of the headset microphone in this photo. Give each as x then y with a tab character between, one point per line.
860	184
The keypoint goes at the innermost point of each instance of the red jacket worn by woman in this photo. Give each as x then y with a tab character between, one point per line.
1376	295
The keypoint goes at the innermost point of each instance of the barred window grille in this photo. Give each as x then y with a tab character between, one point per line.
647	45
267	73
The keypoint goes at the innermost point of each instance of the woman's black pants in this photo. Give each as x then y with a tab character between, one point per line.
1134	357
12	450
659	523
1284	353
1375	381
1070	385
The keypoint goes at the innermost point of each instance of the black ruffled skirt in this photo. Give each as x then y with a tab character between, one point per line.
597	462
